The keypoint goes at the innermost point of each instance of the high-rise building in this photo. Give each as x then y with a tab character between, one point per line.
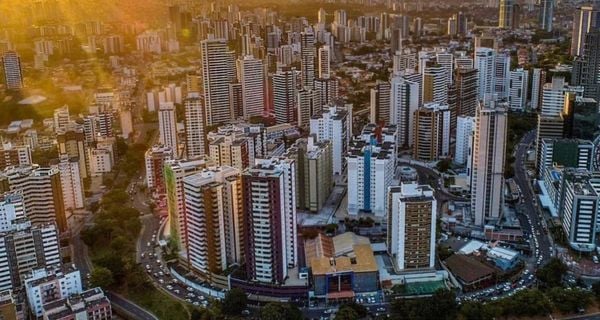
446	60
218	70
307	56
403	102
485	60
538	80
167	126
326	91
334	125
195	136
571	153
412	214
487	163
466	91
284	95
174	172
71	183
587	18
379	109
435	84
324	62
553	96
308	104
62	119
519	82
42	193
25	248
155	159
237	147
578	209
251	74
271	239
431	132
580	117
72	144
371	161
462	23
586	69
509	14
464	137
546	15
13	73
213	214
502	74
314	176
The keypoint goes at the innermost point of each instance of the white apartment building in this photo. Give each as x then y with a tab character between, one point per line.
404	101
519	82
11	209
218	70
464	139
335	125
25	248
71	183
487	163
167	125
49	284
371	167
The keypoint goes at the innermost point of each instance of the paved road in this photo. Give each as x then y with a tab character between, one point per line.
529	206
130	307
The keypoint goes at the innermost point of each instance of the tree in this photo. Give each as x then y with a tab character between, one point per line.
569	300
278	311
551	274
360	310
102	277
442	305
346	313
443	165
235	302
596	289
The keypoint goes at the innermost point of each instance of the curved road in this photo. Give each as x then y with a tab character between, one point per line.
529	207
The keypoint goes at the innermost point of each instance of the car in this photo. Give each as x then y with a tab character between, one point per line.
170	287
161	273
196	303
246	312
143	255
381	309
190	289
188	300
177	291
147	267
161	281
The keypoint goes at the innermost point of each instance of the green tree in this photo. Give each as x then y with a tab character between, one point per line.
552	273
346	313
361	311
443	165
235	302
278	311
102	277
569	300
596	289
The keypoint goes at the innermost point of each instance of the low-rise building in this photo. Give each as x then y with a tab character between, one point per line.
91	304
